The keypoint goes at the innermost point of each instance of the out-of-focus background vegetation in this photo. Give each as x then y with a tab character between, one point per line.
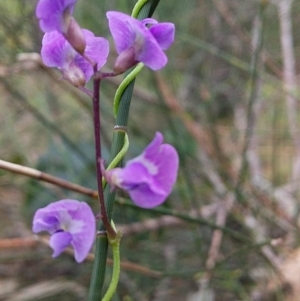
228	101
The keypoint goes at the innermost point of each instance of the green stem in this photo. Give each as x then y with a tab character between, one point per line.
137	8
127	80
98	273
115	246
117	159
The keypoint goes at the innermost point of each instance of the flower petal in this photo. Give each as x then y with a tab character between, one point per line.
82	244
153	147
164	33
167	168
161	162
135	174
151	54
42	221
144	197
56	50
51	13
97	49
59	241
121	30
82	228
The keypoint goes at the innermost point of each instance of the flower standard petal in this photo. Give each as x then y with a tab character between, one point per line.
53	14
121	30
69	222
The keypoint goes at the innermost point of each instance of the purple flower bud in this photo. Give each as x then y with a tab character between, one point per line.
57	52
147	38
148	178
55	14
69	222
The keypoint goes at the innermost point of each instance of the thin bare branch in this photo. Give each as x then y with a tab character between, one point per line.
42	176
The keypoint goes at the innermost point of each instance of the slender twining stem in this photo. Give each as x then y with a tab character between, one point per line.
137	8
127	80
115	246
117	159
97	126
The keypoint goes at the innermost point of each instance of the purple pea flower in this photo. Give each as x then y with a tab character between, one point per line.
58	52
55	14
148	178
69	222
140	41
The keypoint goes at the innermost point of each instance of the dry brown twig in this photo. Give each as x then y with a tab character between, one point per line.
42	176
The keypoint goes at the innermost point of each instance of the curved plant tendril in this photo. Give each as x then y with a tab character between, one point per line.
117	159
115	245
137	8
120	154
127	80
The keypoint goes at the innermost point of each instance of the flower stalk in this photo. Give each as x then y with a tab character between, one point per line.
97	129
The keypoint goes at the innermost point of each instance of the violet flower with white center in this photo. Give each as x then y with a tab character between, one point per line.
57	52
55	14
69	222
140	41
150	177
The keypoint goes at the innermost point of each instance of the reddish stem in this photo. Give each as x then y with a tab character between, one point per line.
97	127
